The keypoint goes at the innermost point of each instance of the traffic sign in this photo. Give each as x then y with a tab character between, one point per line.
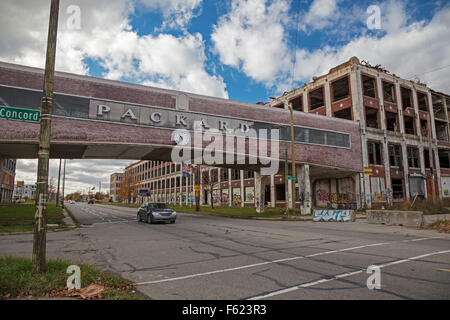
20	114
197	188
197	194
368	171
292	178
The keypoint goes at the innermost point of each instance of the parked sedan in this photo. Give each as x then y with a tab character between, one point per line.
156	211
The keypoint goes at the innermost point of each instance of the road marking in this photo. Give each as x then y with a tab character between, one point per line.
446	270
340	276
274	261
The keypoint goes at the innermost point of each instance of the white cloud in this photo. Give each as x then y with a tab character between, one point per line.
404	49
321	13
251	37
107	37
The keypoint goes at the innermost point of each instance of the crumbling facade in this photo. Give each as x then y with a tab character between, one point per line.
400	122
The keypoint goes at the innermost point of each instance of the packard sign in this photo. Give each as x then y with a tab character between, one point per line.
163	118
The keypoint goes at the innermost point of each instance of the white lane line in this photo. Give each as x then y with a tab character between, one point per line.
340	276
271	262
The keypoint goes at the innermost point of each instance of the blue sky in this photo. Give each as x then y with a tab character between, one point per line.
238	49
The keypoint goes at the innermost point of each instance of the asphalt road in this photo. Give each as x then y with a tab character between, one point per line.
202	257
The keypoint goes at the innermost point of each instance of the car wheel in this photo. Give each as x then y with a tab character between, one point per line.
139	219
149	218
172	221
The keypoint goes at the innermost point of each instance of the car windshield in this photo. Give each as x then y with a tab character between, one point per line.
158	206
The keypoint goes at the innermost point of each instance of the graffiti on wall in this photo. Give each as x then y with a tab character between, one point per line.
333	215
339	198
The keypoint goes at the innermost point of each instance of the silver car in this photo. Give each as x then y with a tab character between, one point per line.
156	211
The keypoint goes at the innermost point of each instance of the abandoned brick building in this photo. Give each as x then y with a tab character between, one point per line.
395	117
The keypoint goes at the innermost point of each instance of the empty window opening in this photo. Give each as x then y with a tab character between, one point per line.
344	114
388	92
280	192
413	157
438	106
372	118
397	188
441	130
297	103
407	98
422	101
392	121
280	106
410	125
369	86
395	155
374	151
424	127
444	158
316	99
341	89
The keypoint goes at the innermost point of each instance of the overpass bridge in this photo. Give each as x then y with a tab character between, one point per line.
104	119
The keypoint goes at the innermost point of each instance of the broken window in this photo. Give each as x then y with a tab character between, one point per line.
444	158
410	125
422	101
344	114
316	99
372	118
369	86
413	157
388	92
441	130
341	89
438	106
392	121
407	98
297	103
395	155
397	188
374	151
424	127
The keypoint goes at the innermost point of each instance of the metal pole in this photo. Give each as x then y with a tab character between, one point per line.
197	192
286	184
430	152
64	183
59	179
293	158
40	226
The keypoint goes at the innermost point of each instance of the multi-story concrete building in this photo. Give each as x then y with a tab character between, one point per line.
26	191
395	117
7	175
114	185
174	183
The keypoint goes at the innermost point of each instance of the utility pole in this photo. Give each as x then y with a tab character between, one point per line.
430	153
40	215
291	109
286	175
64	183
59	179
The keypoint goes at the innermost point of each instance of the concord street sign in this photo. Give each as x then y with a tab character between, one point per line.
20	114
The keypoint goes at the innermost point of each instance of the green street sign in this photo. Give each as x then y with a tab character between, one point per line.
292	178
20	114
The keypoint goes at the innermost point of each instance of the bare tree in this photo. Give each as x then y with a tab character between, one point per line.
210	182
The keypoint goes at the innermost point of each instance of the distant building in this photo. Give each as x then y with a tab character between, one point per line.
7	175
114	185
24	191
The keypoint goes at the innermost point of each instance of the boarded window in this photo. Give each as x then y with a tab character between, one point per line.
341	89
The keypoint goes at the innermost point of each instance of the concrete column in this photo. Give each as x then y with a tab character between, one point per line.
230	189
181	188
219	181
242	187
260	187
165	189
387	169
272	191
328	99
357	179
304	188
175	188
398	94
405	169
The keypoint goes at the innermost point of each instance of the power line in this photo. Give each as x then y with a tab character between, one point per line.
421	74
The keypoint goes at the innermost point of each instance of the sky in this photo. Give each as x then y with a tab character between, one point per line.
245	50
